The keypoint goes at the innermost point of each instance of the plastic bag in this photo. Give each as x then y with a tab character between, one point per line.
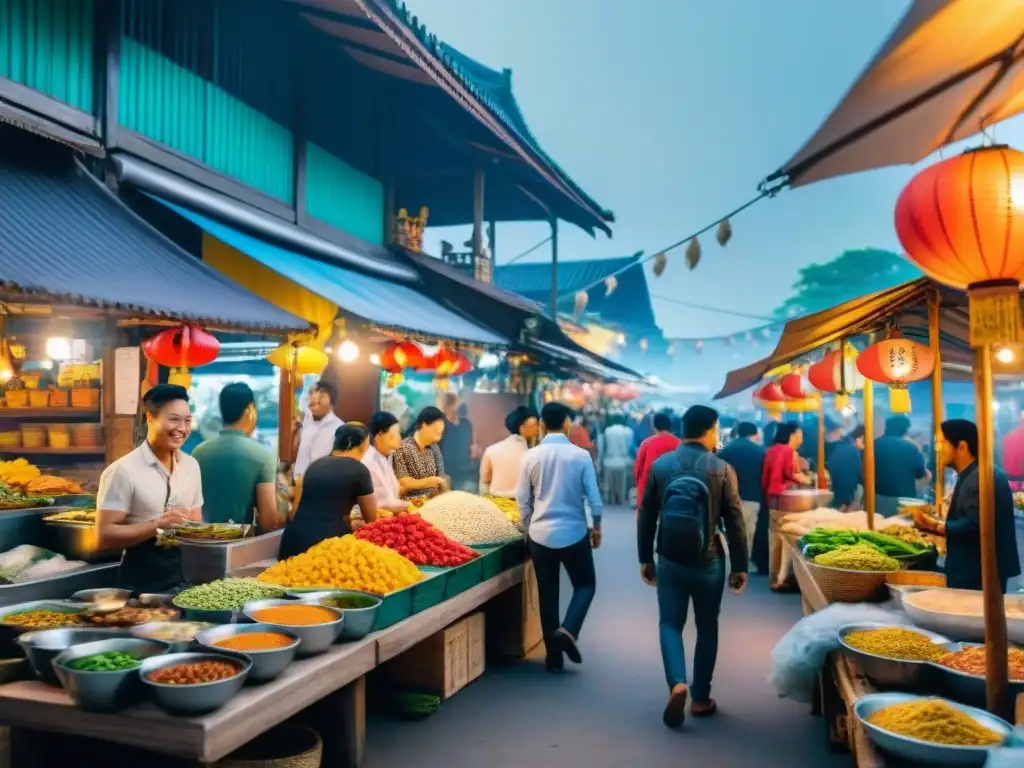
798	657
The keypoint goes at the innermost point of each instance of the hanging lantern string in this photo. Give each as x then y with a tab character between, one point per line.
705	308
732	214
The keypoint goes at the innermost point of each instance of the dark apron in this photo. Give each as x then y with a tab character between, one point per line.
147	567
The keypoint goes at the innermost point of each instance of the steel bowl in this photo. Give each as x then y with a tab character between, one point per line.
43	646
151	631
925	752
105	691
964	627
316	638
266	665
890	673
11	630
197	699
103	596
358	621
966	688
898	591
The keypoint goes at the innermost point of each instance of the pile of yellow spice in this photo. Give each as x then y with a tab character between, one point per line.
345	563
935	721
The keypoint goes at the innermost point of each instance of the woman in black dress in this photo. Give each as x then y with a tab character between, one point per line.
326	494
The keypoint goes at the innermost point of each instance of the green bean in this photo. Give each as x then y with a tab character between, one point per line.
224	594
109	661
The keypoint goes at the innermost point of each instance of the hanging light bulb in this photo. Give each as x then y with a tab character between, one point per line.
58	348
1004	355
375	359
348	351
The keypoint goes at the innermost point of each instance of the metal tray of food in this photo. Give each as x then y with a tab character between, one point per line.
963	686
60	585
966	627
58	606
924	753
891	673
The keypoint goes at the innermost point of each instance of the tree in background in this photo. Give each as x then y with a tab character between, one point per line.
850	275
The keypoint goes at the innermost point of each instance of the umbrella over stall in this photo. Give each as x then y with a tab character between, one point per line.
950	69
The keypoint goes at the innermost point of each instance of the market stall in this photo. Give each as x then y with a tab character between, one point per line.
272	641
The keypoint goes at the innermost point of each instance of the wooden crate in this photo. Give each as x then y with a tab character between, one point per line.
477	645
439	664
513	619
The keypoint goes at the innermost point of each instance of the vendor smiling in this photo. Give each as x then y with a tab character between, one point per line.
156	486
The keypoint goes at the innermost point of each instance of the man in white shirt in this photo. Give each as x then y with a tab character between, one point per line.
316	439
155	487
617	459
499	468
385	437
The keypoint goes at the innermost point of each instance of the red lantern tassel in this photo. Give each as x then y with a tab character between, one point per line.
899	398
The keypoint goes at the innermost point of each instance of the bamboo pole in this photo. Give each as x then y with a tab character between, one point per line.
996	662
935	342
822	479
869	452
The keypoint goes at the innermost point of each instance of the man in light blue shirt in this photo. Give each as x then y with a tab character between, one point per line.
554	479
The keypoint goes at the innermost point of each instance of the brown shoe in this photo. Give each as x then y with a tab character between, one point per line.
675	711
705	708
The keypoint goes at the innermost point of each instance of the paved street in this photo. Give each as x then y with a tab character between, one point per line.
607	713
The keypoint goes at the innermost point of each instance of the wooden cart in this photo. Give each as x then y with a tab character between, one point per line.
843	684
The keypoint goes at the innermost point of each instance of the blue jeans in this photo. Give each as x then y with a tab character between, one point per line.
677	585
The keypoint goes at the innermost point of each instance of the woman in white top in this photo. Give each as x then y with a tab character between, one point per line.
499	468
385	437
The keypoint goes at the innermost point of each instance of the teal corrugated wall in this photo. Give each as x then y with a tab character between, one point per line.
191	72
343	197
47	45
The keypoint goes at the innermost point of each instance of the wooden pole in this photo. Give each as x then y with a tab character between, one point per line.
869	452
822	479
935	342
554	269
285	416
996	662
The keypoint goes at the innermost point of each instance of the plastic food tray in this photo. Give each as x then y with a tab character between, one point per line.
431	591
464	577
394	608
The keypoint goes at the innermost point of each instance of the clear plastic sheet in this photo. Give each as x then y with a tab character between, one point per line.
798	657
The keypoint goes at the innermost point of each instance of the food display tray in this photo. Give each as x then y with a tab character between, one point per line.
394	608
494	560
431	591
463	577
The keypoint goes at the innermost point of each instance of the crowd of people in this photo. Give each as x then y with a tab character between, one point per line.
701	497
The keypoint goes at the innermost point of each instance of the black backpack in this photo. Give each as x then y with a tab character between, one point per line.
684	529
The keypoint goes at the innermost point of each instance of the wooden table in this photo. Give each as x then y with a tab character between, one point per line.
336	678
850	683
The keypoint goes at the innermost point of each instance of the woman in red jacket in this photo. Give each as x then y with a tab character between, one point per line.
781	470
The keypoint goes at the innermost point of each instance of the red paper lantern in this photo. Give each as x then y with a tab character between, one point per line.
770	393
824	375
448	362
792	385
186	346
896	361
400	356
960	222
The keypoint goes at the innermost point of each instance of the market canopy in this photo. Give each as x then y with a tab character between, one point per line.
950	69
64	235
384	304
903	306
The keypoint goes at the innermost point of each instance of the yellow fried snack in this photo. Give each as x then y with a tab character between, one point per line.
345	563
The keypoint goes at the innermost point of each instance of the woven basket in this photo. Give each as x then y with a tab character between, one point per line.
59	437
10	439
39	398
287	746
843	586
33	436
59	398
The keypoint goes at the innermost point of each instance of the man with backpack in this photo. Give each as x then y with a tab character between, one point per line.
691	497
